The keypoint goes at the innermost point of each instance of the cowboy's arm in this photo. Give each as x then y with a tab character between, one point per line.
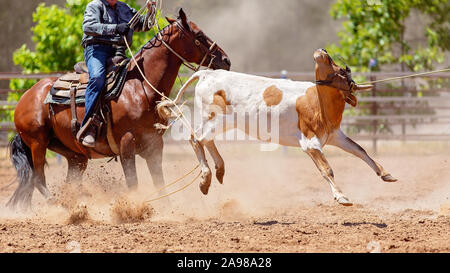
92	24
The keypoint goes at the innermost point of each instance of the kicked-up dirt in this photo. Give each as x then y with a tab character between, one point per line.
269	202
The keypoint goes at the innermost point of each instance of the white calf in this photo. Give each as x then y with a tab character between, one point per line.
305	115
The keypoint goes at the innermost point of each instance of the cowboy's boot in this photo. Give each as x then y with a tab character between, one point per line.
87	134
89	138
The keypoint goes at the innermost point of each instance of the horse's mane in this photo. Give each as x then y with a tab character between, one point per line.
152	43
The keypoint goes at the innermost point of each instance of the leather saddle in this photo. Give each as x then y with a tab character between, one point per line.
73	86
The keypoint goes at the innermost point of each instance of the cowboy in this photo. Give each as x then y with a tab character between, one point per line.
105	24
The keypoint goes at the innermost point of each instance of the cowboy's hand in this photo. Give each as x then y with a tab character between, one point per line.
150	3
122	29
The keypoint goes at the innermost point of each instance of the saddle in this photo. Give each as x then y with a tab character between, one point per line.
71	88
80	78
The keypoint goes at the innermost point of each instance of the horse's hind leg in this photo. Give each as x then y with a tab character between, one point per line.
38	151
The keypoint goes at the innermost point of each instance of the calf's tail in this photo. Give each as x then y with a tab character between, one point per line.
163	107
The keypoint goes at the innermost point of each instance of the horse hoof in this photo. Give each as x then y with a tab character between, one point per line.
344	201
388	178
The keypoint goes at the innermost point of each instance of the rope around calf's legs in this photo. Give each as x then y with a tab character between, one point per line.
180	116
184	187
183	117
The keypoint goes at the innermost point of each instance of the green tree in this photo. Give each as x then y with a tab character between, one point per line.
376	28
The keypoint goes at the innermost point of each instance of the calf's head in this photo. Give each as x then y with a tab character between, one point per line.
330	74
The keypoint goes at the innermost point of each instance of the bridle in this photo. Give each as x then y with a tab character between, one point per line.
336	80
208	51
337	77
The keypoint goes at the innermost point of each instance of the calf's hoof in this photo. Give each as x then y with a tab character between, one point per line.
344	201
220	174
206	182
388	178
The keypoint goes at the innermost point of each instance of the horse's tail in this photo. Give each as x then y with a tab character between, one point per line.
22	160
162	107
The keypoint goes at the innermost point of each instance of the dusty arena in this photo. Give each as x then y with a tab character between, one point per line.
269	202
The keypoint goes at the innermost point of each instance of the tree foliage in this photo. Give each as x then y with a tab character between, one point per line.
374	29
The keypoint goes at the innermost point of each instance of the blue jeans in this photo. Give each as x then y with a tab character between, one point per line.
95	57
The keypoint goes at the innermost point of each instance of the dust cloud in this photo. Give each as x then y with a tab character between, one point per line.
261	35
256	184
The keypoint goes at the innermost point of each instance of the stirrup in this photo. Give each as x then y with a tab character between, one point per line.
93	124
82	130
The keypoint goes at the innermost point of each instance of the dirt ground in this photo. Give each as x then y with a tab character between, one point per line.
269	202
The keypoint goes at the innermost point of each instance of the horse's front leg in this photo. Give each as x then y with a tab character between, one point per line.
128	159
153	156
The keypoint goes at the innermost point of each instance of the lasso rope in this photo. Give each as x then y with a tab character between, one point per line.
173	183
163	96
169	194
408	76
180	116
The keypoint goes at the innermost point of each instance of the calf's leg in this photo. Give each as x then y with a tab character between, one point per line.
218	160
339	139
327	173
206	171
210	128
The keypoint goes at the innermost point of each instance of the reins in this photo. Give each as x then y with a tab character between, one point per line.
197	43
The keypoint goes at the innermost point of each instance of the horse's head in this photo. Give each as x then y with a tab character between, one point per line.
194	46
330	74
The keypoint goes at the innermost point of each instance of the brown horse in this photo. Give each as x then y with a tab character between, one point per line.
133	114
